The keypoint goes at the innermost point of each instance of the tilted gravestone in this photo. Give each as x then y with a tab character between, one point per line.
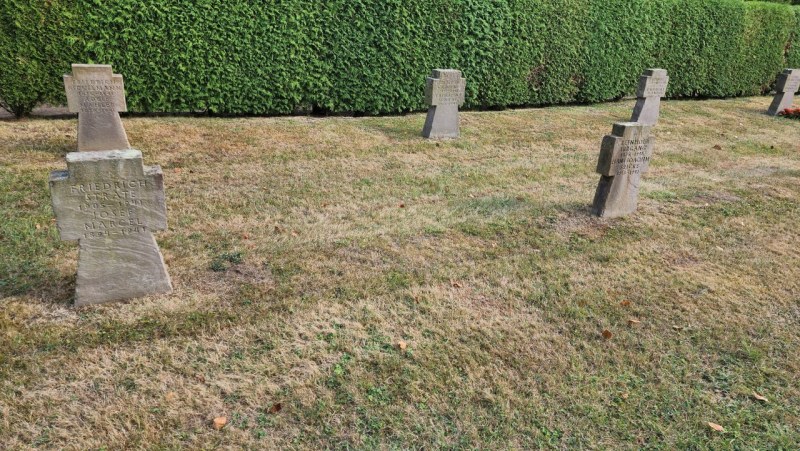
652	87
444	93
624	157
788	84
111	204
98	96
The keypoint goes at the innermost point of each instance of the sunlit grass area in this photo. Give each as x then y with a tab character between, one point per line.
305	250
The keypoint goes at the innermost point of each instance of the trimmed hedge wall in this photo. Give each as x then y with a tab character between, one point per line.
372	56
794	50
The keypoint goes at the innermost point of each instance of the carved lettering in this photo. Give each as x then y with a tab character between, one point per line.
656	87
448	94
111	207
634	153
792	84
97	95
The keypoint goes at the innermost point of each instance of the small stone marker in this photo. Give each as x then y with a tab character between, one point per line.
788	85
652	87
97	95
111	204
444	93
624	157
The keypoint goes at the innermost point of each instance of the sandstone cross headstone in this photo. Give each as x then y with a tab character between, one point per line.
788	85
111	204
444	93
97	95
652	87
624	157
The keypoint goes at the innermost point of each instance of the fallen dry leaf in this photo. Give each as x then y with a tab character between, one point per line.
402	345
759	397
220	422
277	407
633	322
38	226
624	396
607	334
718	147
716	427
625	303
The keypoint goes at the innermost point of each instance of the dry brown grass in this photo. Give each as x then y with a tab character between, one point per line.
479	253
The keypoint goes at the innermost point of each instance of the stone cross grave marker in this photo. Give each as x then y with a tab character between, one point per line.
624	157
111	204
97	95
788	85
652	87
444	93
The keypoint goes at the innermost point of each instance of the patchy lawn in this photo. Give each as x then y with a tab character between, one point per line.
304	250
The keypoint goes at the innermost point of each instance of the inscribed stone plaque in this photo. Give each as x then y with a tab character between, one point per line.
97	95
111	204
444	93
788	84
652	87
624	157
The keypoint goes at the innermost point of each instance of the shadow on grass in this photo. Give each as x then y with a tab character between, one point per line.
397	130
577	210
34	279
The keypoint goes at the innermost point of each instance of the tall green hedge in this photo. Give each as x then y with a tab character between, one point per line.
372	56
794	49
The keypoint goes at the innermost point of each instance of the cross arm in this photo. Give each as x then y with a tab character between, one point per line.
119	98
73	98
430	87
67	211
610	151
157	205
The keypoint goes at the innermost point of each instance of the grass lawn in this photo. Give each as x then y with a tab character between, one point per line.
304	250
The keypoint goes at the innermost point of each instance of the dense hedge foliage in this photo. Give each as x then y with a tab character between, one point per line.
794	50
372	56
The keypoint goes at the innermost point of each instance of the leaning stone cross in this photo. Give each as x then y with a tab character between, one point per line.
111	204
444	93
788	85
624	157
652	87
97	95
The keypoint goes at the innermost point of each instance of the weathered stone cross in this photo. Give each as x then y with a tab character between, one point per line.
444	93
788	85
624	157
111	204
97	95
652	87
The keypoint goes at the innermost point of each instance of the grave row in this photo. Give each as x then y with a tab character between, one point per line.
111	203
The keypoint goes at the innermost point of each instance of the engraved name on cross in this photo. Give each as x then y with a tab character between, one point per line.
652	87
111	204
788	84
98	96
444	93
624	157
